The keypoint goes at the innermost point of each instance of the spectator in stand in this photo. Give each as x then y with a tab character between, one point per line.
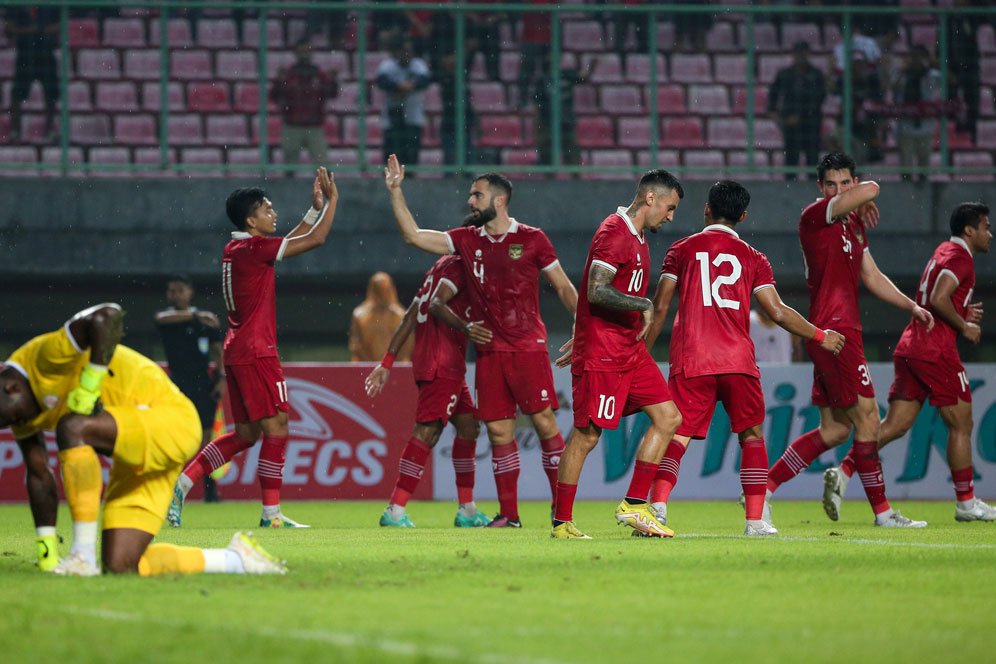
484	28
569	77
404	78
534	50
866	91
915	86
375	320
622	21
690	29
443	66
862	43
964	63
35	31
300	91
795	101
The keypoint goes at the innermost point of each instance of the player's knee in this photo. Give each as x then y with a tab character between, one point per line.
118	563
469	430
71	431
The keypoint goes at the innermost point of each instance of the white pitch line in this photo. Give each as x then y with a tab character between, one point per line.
842	540
341	639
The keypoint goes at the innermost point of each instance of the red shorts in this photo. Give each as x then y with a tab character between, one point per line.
945	382
603	397
838	380
441	399
257	391
696	399
506	380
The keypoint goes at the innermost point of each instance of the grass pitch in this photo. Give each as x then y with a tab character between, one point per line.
821	592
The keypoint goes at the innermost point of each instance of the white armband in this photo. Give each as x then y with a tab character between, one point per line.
311	216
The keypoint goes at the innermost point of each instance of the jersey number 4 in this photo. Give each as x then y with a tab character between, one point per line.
710	286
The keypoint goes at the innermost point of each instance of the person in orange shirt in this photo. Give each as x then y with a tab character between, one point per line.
375	320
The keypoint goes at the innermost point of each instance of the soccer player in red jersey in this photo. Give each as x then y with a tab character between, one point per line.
256	385
502	260
612	373
715	274
439	366
833	232
927	362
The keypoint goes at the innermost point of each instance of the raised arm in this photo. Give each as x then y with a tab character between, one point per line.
859	197
375	382
661	303
940	302
441	311
791	320
98	328
434	242
315	227
882	287
565	290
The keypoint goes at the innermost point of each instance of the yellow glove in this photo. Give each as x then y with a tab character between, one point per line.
83	398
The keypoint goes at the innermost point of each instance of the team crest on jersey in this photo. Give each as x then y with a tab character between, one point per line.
858	234
50	401
515	251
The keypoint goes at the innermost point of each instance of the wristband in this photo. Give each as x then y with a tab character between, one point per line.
311	216
388	360
92	377
819	336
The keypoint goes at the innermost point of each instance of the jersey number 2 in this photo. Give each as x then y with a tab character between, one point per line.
710	287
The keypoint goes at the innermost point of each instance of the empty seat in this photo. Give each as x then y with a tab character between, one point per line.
634	132
988	70
498	131
691	68
151	96
278	61
227	130
682	133
274	33
720	38
508	65
607	69
153	156
109	156
765	36
351	131
740	100
731	68
208	97
190	65
24	155
247	98
665	35
124	33
767	134
622	100
671	99
98	63
244	156
273	129
84	33
704	164
793	32
89	129
369	64
986	134
586	99
185	129
217	33
638	68
748	171
974	160
709	99
332	129
519	157
135	130
487	97
237	65
332	61
610	159
924	34
142	64
51	156
583	36
117	96
79	95
7	57
203	157
594	131
987	39
768	67
432	100
347	99
178	33
727	133
664	159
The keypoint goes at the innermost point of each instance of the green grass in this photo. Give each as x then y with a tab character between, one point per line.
358	593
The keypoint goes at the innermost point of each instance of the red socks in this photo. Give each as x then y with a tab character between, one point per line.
271	468
464	465
505	463
667	472
869	467
796	459
964	484
564	510
410	468
643	476
753	476
847	464
215	455
552	449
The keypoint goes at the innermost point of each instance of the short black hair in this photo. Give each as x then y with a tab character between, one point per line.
967	214
242	203
728	200
659	178
181	278
835	161
499	182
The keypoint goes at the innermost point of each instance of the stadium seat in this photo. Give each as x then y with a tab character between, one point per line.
665	35
793	32
247	98
216	33
432	100
731	68
671	100
487	97
634	132
767	135
117	96
204	157
586	99
52	156
600	159
347	101
151	96
974	159
243	156
89	129
333	130
332	62
595	131
607	68
79	96
33	128
691	68
237	65
668	159
740	100
924	34
7	57
368	64
135	130
519	157
277	61
765	36
498	131
124	33
351	130
226	130
988	71
116	156
148	156
274	126
142	64
190	65
508	65
752	172
98	63
711	160
682	133
720	38
709	99
769	65
987	101
274	33
178	33
185	129
622	100
583	36
84	33
208	97
986	134
638	68
24	155
987	39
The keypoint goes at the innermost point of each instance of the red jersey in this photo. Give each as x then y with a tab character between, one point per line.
717	273
940	344
605	339
833	249
439	349
248	284
503	280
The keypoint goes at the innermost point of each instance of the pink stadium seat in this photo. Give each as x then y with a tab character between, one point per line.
79	96
185	129
988	70
711	160
151	96
135	130
975	159
369	64
98	63
516	157
987	39
33	128
52	155
793	32
84	33
487	97
987	102
376	98
208	97
582	36
508	65
247	98
665	159
115	156
149	156
634	132
274	34
178	33
24	155
720	38
740	100
586	99
143	64
346	100
709	99
691	68
682	133
765	36
190	65
351	130
638	68
600	159
767	134
753	172
671	99
243	156
727	133
227	130
924	34
273	130
89	129
731	68
665	36
622	100
607	68
7	57
333	130
498	131
595	131
986	134
768	66
204	157
124	33
237	65
117	96
332	61
217	33
433	99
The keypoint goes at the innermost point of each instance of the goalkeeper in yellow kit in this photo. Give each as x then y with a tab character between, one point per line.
100	397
